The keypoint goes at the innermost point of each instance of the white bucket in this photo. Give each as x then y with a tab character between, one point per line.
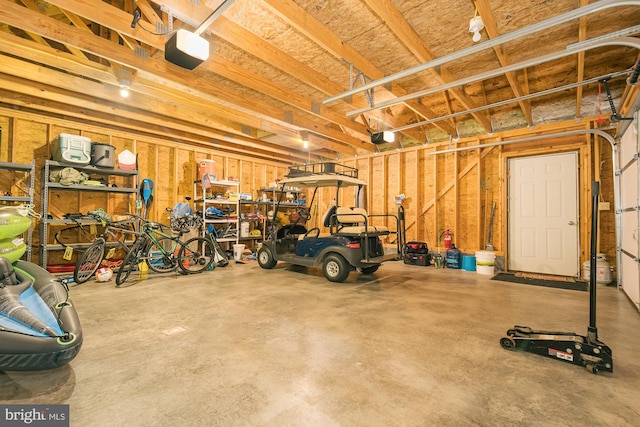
485	261
238	248
244	229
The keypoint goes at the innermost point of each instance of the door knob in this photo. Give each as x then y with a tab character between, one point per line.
572	223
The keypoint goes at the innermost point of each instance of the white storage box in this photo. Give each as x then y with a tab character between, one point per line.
72	149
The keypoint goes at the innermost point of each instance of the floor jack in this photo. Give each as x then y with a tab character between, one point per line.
587	351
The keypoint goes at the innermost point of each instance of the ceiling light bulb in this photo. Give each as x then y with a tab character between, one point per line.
306	144
124	91
475	26
388	136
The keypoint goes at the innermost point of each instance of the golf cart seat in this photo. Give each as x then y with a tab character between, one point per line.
291	231
313	235
355	221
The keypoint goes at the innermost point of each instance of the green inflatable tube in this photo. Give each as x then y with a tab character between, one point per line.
13	221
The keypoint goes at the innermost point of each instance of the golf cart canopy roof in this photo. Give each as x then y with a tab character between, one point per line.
322	175
327	180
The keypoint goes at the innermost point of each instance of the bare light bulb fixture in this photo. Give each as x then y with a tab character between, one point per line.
124	87
388	136
475	26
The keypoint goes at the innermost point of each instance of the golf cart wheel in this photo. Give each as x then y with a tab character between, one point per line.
507	343
265	258
335	268
369	270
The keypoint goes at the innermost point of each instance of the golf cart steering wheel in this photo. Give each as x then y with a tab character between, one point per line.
304	214
310	234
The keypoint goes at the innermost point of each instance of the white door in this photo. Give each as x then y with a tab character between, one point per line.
543	214
629	201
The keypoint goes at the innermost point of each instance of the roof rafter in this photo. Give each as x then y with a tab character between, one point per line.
298	18
158	69
407	35
503	57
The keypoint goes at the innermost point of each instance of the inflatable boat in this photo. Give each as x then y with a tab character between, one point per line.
39	326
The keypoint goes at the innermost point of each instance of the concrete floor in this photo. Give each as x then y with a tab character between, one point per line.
407	346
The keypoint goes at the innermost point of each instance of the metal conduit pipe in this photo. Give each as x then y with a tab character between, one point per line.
511	101
616	175
589	44
551	22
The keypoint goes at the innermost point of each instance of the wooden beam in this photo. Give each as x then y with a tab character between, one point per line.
298	18
144	124
163	72
492	30
407	35
31	5
582	35
226	118
260	48
258	83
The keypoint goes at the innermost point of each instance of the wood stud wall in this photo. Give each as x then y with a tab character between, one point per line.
171	167
445	191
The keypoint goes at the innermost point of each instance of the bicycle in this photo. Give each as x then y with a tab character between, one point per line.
95	254
218	256
164	253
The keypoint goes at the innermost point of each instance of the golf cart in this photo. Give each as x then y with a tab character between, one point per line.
352	241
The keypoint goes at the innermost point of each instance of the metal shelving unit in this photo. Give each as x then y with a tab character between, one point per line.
26	196
258	223
275	194
204	198
131	189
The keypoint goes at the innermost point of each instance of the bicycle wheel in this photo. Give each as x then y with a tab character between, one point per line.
162	255
196	255
89	262
130	261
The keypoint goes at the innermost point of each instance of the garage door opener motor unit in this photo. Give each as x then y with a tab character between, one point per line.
587	351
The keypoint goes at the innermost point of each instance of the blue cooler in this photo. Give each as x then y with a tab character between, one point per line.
71	149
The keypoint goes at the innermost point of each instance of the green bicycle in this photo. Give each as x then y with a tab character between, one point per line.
164	252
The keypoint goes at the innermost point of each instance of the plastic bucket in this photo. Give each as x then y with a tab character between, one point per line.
207	167
238	248
468	263
485	261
